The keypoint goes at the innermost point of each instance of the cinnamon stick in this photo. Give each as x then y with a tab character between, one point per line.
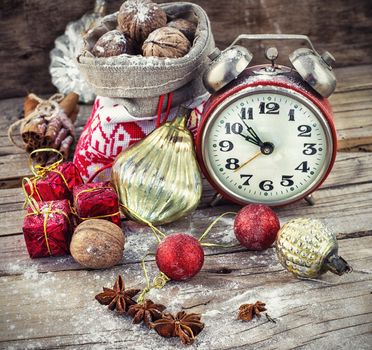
54	127
34	130
74	114
29	105
62	134
69	105
66	145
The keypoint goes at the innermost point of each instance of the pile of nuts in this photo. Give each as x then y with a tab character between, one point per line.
143	29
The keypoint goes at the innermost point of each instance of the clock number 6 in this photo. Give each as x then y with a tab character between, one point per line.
266	185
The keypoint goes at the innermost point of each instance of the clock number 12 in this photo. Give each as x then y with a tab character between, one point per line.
269	108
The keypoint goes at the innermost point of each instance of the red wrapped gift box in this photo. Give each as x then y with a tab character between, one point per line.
97	200
54	183
47	228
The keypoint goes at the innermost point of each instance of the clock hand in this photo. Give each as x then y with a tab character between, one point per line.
248	161
253	133
251	139
253	136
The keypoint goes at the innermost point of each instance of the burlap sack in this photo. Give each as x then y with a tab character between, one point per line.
139	80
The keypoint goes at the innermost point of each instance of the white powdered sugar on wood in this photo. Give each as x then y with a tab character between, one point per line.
62	303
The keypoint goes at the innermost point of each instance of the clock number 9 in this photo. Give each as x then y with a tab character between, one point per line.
226	146
266	185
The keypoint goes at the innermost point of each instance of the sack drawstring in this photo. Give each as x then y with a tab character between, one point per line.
109	165
160	107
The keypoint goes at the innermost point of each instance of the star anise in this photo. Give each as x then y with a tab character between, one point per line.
146	312
248	311
117	298
183	325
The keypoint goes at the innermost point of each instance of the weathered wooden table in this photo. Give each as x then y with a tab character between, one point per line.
49	303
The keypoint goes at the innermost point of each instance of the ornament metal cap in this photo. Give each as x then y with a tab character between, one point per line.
337	264
316	70
225	67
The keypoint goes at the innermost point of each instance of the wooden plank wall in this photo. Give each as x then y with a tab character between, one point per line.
29	28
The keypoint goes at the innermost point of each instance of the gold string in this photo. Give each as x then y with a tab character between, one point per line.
99	216
30	200
92	190
148	223
39	170
45	228
213	223
158	282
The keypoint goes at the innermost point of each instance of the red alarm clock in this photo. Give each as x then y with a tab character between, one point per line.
267	133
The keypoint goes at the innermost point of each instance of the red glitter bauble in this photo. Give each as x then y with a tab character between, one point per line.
180	256
256	226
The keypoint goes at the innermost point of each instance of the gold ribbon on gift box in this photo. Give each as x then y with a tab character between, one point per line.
41	171
34	205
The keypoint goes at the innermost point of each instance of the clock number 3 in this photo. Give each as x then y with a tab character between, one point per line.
309	149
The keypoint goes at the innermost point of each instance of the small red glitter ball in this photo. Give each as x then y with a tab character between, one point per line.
256	226
180	256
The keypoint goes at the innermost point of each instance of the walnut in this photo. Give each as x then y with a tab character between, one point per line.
97	244
166	42
112	43
138	18
187	28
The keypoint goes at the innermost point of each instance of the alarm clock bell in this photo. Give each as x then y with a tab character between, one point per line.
314	68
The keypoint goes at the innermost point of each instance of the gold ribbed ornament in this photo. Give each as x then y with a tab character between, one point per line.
158	179
307	248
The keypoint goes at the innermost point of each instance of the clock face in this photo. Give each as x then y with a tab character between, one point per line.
267	145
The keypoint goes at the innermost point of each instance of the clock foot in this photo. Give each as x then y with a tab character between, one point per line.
216	199
310	199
